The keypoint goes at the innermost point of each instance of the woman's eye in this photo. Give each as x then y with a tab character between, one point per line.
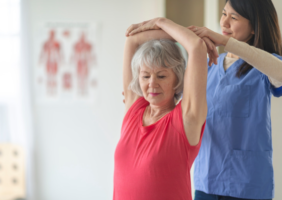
224	14
234	18
146	76
161	76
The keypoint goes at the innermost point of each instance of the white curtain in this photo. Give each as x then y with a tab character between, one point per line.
15	104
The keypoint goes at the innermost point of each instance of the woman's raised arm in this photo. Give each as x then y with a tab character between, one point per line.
152	25
131	45
194	104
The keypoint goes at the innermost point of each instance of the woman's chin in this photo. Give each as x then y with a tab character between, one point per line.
157	100
154	100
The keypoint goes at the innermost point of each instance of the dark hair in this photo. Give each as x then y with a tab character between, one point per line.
264	21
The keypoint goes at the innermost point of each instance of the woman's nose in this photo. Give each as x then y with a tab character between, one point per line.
225	22
153	82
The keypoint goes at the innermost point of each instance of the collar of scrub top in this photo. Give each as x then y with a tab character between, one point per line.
231	69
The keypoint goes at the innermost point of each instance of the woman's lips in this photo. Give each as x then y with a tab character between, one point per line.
154	94
225	33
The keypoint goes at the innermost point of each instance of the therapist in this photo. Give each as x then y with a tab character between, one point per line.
235	159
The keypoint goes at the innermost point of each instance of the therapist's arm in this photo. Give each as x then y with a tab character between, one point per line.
259	59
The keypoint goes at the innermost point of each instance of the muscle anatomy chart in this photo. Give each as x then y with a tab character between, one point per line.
84	58
67	61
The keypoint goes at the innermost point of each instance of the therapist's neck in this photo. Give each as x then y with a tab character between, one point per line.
230	55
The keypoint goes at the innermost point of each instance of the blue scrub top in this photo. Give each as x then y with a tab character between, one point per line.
235	157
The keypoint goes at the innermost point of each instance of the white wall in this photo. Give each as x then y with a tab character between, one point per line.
74	145
211	14
276	114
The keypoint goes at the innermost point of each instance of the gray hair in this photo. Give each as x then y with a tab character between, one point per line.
158	53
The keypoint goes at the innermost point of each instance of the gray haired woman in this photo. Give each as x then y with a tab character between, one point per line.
159	139
157	53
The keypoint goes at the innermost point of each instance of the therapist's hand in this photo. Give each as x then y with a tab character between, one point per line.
144	26
207	35
212	51
216	38
152	25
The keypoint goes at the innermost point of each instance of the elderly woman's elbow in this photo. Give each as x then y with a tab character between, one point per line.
201	45
198	46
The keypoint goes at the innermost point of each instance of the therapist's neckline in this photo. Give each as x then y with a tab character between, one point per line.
230	55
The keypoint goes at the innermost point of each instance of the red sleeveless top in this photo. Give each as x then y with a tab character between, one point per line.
153	162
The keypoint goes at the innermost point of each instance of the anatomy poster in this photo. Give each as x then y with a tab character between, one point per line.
67	62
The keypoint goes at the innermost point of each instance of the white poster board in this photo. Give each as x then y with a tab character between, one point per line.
67	62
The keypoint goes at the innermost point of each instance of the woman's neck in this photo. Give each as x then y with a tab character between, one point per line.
158	110
154	113
230	55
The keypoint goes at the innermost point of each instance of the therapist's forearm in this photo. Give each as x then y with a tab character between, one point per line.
261	60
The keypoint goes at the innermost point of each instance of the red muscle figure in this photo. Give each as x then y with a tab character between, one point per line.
82	56
51	55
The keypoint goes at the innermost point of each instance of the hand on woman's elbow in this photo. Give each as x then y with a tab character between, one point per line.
201	45
197	46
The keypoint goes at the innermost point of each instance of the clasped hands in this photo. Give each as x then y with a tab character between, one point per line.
211	38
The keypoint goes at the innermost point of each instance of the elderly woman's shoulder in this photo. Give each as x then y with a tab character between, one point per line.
139	104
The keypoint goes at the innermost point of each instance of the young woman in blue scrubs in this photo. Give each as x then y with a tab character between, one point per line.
235	159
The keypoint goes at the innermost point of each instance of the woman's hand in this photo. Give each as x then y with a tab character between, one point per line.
152	25
144	26
216	38
212	51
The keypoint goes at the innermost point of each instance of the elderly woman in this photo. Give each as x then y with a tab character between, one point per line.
160	140
235	160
